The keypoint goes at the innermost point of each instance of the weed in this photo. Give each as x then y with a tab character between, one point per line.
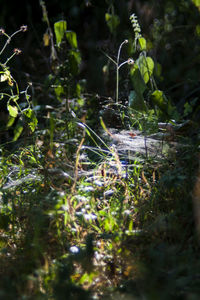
24	111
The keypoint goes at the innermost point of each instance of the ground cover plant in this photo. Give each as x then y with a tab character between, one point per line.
80	218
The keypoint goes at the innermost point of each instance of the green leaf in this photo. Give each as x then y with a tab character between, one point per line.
130	227
137	80
146	66
17	132
13	110
112	21
136	101
78	90
59	91
167	110
60	28
159	99
32	120
33	124
28	113
196	2
142	43
72	39
84	278
74	61
10	122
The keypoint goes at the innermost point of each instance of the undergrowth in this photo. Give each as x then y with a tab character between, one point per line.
81	221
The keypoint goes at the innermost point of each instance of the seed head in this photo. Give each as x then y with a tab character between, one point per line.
130	61
17	51
23	28
2	31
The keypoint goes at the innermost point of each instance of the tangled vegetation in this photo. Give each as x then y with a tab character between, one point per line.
79	217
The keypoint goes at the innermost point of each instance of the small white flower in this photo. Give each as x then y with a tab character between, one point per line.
89	217
74	249
127	212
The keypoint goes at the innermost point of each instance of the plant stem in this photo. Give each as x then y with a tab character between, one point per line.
9	39
117	85
117	71
8	59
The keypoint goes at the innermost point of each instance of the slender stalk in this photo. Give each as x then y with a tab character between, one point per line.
117	71
117	85
9	39
8	59
130	61
125	62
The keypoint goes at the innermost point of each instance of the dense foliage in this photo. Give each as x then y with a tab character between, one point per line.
99	142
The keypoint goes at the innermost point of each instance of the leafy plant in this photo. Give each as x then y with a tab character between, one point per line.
13	95
142	75
112	19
